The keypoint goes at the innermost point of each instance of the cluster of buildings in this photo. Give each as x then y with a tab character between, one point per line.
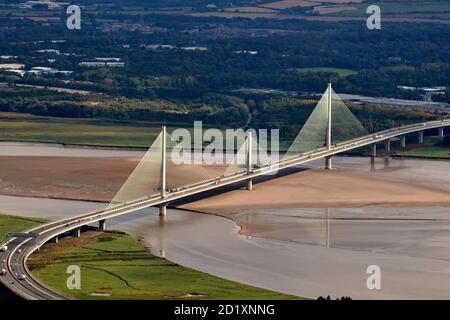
427	93
130	27
42	4
54	51
190	48
37	71
19	68
172	47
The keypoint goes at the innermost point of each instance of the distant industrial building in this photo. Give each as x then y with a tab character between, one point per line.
246	52
11	66
47	70
103	62
427	93
158	46
108	59
16	68
55	51
41	4
194	48
6	57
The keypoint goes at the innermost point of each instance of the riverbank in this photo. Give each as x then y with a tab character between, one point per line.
117	266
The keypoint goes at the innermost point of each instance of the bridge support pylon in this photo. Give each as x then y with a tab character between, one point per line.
441	132
328	164
76	232
250	184
373	151
56	239
387	148
163	177
249	161
403	141
163	210
372	164
102	225
420	137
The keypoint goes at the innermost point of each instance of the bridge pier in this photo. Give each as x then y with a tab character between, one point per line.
250	184
441	132
420	137
328	165
388	146
373	152
102	225
163	210
403	141
76	232
56	239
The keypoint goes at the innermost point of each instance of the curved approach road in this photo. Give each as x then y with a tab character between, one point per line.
20	280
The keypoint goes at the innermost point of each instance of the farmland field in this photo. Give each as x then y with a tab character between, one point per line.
340	71
402	8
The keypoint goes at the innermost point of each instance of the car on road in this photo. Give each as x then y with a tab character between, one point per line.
2	272
4	249
22	277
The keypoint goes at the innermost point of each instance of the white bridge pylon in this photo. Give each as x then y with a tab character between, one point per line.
330	122
145	178
157	173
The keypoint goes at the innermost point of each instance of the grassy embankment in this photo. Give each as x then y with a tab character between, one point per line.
117	266
87	132
16	224
72	132
432	149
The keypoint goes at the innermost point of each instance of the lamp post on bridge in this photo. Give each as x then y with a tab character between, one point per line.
328	165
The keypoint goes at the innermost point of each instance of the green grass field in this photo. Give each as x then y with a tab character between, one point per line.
119	266
388	7
16	224
17	127
431	149
71	132
428	152
340	71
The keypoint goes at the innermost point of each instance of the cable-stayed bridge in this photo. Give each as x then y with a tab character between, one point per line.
331	129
